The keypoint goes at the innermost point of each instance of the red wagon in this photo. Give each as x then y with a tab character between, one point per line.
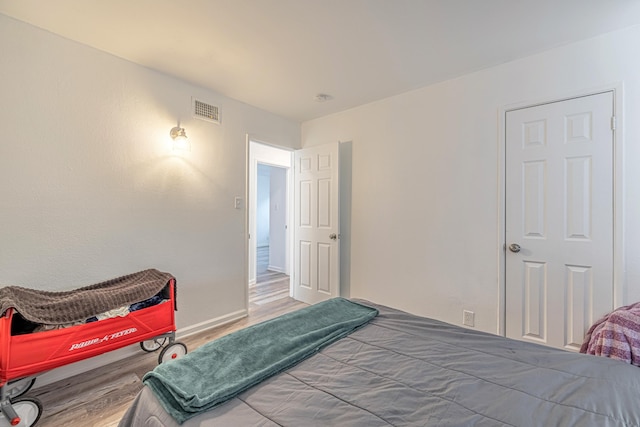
24	356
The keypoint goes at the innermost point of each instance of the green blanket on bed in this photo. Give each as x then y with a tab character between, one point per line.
221	369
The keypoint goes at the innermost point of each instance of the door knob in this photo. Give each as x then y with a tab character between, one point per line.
514	247
333	236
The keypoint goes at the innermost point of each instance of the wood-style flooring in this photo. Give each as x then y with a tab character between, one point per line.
100	397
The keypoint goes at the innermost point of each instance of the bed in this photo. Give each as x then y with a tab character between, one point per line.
399	369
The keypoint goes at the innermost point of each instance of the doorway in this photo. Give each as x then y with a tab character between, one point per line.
268	217
271	219
319	203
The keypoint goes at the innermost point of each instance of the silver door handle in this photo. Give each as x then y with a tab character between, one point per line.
514	247
333	236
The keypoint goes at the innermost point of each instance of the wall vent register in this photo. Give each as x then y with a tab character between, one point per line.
205	111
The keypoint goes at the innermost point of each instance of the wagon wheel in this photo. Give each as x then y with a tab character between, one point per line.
17	388
152	345
172	352
28	411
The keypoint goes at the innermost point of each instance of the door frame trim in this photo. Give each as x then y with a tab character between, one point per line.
619	291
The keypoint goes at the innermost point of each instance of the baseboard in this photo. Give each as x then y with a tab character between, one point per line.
275	269
212	323
67	371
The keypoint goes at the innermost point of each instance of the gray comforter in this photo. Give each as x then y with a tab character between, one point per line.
402	369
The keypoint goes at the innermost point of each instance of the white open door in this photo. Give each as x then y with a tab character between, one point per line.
317	248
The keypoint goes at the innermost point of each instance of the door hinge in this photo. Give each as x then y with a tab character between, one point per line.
613	122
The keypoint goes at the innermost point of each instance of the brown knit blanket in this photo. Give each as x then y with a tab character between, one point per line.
54	308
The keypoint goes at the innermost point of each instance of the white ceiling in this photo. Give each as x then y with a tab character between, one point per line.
279	54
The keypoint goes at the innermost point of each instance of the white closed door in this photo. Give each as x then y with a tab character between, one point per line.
559	219
317	228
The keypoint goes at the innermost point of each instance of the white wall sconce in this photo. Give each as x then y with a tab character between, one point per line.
180	140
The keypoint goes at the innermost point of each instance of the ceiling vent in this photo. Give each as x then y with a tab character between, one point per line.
204	111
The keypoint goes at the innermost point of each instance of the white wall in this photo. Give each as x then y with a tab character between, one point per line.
90	188
425	206
262	207
278	220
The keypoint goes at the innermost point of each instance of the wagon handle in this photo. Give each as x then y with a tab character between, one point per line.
5	331
9	412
